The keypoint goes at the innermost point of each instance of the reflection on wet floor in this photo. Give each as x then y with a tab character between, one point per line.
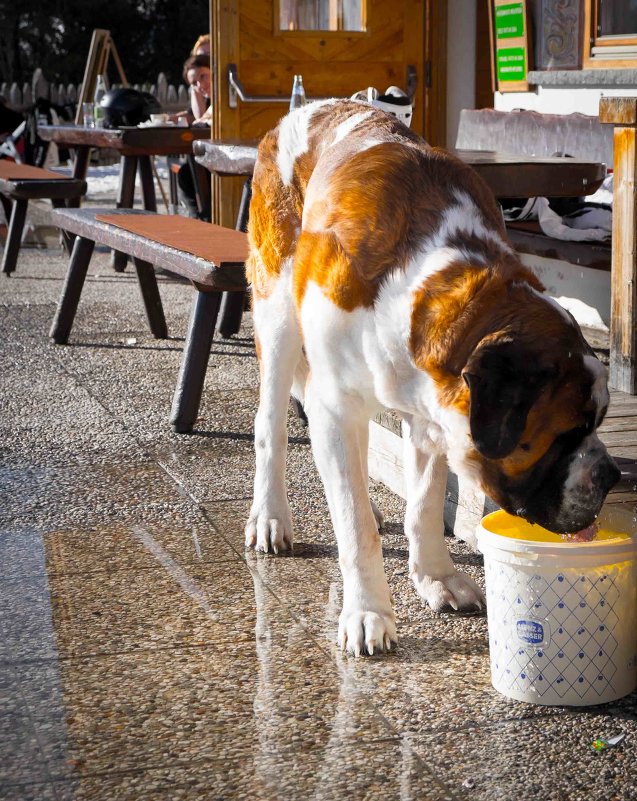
145	655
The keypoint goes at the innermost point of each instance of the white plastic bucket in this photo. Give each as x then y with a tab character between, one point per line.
562	616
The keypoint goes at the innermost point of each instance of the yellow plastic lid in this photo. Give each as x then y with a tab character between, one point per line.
507	525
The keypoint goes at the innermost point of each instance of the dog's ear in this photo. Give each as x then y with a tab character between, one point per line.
504	382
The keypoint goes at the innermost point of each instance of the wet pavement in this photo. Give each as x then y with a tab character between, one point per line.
145	655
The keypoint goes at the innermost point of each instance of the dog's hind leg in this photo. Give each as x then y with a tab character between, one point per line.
430	566
338	430
269	527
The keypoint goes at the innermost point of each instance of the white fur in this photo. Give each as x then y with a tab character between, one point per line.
464	217
293	138
349	124
270	524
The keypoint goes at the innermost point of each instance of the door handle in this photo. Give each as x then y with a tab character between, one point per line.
236	91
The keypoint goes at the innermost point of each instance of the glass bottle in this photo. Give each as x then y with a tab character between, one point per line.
100	91
297	99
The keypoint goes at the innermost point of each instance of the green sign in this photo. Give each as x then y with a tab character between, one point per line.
509	21
511	64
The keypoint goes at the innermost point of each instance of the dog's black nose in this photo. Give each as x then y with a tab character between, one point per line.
605	474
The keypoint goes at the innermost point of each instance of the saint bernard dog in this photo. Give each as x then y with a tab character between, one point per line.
382	277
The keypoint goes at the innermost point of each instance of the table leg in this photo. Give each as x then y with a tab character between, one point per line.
80	168
125	200
231	313
194	361
148	185
201	183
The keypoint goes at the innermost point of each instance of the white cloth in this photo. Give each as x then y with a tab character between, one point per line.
590	221
559	228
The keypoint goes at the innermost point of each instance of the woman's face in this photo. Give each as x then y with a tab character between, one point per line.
199	77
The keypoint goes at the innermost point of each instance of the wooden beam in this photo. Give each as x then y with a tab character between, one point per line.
622	113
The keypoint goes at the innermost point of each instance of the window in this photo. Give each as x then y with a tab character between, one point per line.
610	33
322	15
616	17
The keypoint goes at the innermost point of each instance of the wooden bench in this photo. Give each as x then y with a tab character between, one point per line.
209	256
20	183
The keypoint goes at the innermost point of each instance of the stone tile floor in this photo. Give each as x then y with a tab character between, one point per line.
145	655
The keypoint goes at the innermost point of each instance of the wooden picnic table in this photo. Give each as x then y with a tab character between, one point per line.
507	174
136	147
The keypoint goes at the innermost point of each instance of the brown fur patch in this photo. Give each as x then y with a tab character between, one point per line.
453	311
378	206
273	222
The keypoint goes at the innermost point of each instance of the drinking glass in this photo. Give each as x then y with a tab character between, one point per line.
88	115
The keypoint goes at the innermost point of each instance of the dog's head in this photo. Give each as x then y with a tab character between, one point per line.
517	368
534	408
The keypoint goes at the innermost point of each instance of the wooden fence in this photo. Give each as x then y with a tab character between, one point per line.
21	98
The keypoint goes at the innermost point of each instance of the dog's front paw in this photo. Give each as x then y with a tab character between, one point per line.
269	533
456	591
368	632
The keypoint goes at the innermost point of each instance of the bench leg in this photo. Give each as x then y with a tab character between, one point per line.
231	313
151	298
14	236
194	362
75	276
80	168
147	181
234	302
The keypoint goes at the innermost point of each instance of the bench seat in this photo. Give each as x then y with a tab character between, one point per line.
20	183
528	237
152	239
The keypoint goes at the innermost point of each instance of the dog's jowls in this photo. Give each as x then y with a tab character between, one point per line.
382	277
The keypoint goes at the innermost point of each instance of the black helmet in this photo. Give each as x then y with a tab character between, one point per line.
127	107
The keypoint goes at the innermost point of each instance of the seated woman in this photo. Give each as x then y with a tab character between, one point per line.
197	75
198	101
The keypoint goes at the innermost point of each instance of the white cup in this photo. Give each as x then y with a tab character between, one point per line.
158	119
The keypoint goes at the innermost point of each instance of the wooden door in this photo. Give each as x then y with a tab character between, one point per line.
264	43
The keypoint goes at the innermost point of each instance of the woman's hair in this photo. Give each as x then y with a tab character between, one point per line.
195	63
202	41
